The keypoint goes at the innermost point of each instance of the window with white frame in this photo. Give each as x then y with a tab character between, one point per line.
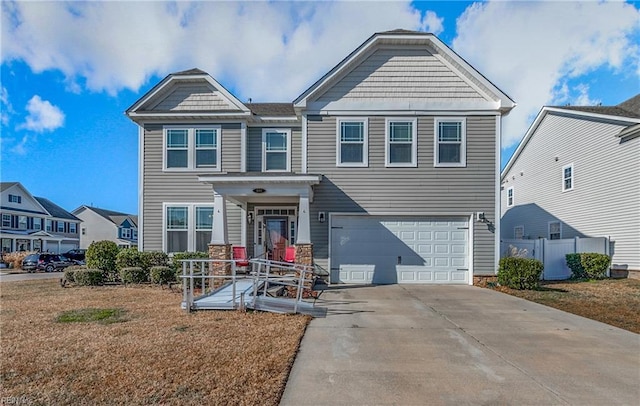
15	199
187	227
22	222
49	225
510	196
352	142
189	148
73	228
125	233
60	226
555	230
6	221
37	224
450	142
518	232
567	177
401	142
276	150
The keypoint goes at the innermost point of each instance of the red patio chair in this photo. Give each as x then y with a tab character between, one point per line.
290	254
240	257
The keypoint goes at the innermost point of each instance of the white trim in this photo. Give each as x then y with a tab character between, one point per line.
191	147
141	151
191	222
414	142
260	218
448	110
463	142
304	146
286	131
573	178
243	147
549	229
296	179
365	141
470	247
243	225
510	199
497	196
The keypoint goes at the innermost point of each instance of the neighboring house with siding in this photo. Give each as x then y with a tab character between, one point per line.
101	224
378	171
32	223
576	173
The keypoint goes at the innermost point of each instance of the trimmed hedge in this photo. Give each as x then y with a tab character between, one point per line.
128	258
162	275
134	274
588	265
102	255
154	258
88	277
69	272
520	273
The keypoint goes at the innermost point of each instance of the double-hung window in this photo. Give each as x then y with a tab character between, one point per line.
189	148
73	228
450	142
352	142
555	230
401	142
22	222
60	226
15	199
6	221
276	150
510	197
567	177
49	225
188	227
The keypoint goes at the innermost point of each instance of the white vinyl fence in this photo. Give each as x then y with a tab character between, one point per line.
552	252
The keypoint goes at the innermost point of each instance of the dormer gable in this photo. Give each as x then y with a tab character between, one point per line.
17	197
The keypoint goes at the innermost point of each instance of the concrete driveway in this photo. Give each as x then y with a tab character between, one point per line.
25	276
458	345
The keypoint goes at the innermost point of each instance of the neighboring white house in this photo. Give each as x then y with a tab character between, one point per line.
32	223
576	173
100	224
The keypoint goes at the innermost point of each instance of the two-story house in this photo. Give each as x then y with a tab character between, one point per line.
378	173
32	223
576	173
101	224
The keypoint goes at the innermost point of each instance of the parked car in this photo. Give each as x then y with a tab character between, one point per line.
74	261
77	254
45	262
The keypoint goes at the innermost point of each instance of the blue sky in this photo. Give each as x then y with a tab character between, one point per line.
69	70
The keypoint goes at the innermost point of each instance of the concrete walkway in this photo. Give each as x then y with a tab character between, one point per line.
458	345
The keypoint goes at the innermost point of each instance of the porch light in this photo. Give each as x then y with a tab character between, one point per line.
250	217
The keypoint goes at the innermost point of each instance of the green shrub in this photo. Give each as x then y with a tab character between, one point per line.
162	274
69	272
88	277
102	255
588	265
134	274
154	258
176	263
128	258
520	273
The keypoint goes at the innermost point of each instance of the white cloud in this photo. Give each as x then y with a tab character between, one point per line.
532	49
269	51
43	116
6	109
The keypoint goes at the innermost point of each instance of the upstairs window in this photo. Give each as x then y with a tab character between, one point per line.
401	142
450	142
555	230
276	150
15	199
125	233
37	224
567	177
60	226
352	145
73	228
22	222
49	225
192	148
510	197
6	221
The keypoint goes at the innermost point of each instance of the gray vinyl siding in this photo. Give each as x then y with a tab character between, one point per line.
181	187
254	148
193	97
401	73
605	200
424	189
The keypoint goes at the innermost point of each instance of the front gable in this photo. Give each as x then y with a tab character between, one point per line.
403	71
27	203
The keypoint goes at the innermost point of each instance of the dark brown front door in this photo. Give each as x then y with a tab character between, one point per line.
276	237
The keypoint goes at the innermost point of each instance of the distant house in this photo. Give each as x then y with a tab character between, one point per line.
32	223
576	173
100	224
377	173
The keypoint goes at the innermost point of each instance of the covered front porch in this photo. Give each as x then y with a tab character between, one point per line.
274	214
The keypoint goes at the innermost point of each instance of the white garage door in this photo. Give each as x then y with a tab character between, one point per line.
399	249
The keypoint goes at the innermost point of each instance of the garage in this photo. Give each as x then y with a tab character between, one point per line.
369	249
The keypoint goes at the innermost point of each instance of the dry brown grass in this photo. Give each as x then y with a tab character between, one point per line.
158	355
612	301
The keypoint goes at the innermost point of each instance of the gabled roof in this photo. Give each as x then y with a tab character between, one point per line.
141	108
402	37
7	185
626	113
54	210
115	217
272	109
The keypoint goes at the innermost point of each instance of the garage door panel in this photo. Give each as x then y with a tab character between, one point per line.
378	249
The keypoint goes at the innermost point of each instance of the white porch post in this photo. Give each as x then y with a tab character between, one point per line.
304	227
219	232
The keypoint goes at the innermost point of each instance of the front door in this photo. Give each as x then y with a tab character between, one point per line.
274	230
275	237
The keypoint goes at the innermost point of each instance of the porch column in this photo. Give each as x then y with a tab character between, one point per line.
304	228
219	231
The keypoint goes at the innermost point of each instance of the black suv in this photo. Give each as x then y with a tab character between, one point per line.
45	262
78	254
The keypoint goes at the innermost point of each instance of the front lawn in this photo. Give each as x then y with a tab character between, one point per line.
612	301
134	345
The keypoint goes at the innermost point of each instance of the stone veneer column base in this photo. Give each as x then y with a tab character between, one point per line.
220	252
304	254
